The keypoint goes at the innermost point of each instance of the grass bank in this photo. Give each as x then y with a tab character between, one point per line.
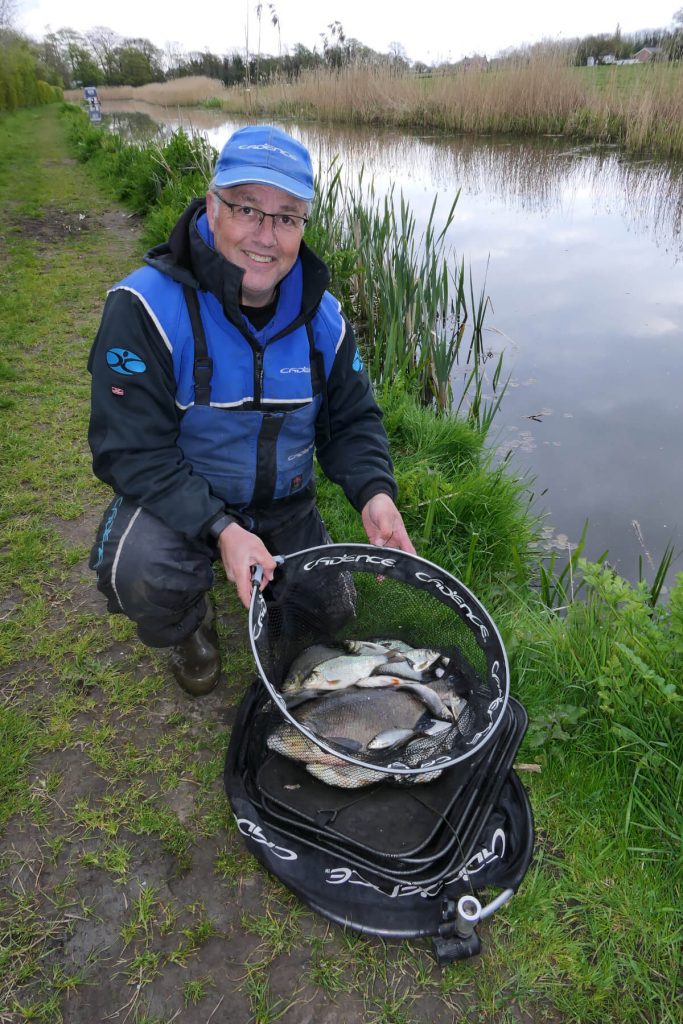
124	885
639	107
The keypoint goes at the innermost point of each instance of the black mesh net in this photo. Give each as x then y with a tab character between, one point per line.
327	598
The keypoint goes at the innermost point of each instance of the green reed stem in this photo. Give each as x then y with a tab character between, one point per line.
408	294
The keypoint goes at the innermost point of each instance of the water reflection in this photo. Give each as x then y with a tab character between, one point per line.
135	127
542	176
580	248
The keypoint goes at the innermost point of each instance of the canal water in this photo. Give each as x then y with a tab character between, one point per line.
581	252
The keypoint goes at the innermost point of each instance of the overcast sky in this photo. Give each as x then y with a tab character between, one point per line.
429	30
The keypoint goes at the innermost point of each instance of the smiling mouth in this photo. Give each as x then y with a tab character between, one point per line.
258	258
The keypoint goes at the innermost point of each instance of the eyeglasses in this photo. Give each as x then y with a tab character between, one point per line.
286	223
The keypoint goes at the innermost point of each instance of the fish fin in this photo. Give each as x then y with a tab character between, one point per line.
377	681
322	683
353	746
456	710
437	727
458	685
297	697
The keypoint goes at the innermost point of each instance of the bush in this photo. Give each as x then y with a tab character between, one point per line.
19	83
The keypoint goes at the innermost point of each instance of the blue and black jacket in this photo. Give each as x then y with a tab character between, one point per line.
196	413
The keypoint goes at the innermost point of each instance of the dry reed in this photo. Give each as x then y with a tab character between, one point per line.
179	92
640	107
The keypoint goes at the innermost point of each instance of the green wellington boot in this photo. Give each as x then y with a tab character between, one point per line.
196	662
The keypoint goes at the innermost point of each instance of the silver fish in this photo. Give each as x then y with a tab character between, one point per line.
338	673
391	738
334	771
429	697
350	720
347	777
291	743
376	646
306	662
400	646
397	737
432	696
418	664
352	777
353	721
357	716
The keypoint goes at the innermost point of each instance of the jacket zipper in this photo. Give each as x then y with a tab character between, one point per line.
258	376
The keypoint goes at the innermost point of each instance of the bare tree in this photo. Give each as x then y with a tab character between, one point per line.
104	43
8	12
675	43
398	55
174	56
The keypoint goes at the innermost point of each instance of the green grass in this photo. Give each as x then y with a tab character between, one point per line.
116	835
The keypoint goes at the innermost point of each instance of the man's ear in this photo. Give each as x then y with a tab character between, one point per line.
210	208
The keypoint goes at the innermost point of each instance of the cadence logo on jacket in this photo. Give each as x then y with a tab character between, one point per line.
120	360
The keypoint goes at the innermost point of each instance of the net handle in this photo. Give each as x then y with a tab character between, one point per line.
257	572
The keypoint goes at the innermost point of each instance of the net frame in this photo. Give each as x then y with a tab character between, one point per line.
394	564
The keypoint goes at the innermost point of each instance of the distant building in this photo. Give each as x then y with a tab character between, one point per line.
648	53
475	63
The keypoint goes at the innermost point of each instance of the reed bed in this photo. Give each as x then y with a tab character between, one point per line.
192	91
413	305
639	107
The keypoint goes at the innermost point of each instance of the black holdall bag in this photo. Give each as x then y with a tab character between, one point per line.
358	891
396	858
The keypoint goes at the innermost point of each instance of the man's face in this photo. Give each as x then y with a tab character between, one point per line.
266	254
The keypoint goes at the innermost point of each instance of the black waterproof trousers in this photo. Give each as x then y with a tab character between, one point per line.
159	578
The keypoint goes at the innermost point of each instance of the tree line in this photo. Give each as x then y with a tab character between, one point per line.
102	57
68	59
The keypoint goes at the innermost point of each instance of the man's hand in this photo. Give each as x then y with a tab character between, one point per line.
383	524
240	550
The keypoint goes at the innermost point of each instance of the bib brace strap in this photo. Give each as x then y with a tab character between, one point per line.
319	382
203	364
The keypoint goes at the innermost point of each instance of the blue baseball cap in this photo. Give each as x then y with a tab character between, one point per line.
265	155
